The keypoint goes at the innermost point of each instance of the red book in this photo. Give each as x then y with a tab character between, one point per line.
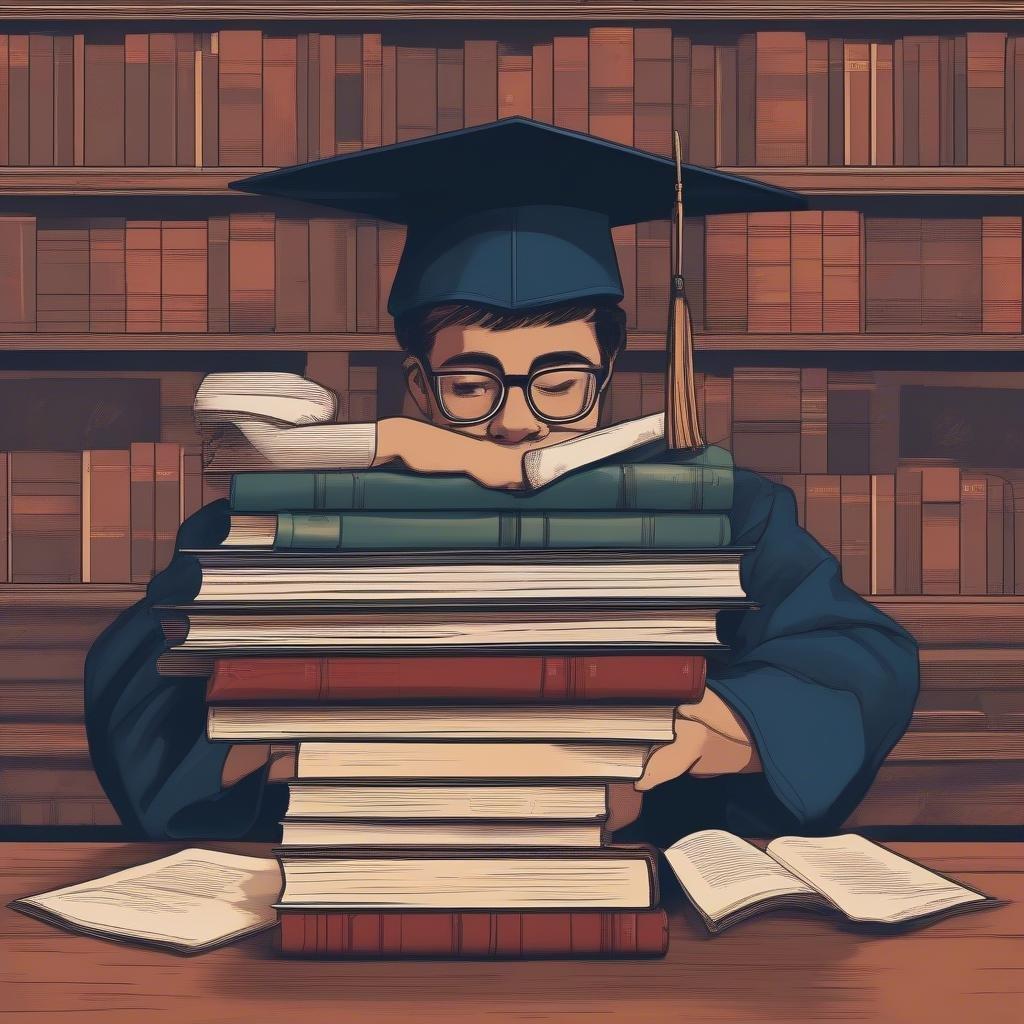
570	99
280	131
372	68
483	935
481	77
185	97
40	86
611	83
986	60
104	99
184	255
702	105
542	84
817	102
251	262
136	100
515	79
781	99
658	677
241	87
17	101
726	107
415	92
18	276
652	89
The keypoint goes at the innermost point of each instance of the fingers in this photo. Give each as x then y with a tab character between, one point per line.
675	758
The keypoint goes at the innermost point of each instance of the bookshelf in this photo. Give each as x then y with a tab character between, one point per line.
902	119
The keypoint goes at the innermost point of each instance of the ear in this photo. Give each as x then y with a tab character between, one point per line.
416	382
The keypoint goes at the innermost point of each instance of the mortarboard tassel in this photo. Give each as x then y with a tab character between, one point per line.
682	426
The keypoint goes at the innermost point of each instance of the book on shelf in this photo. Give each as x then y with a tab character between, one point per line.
477	935
613	878
845	875
676	678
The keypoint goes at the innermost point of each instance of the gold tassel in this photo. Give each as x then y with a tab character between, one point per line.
682	427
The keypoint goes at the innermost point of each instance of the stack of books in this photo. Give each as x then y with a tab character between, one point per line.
463	672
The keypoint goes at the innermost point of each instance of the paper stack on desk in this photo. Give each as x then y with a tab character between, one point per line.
464	672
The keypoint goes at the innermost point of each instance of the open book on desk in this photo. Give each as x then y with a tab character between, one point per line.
729	880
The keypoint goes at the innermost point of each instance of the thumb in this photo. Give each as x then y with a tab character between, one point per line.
675	758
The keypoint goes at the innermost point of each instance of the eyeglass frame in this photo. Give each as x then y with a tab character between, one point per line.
521	380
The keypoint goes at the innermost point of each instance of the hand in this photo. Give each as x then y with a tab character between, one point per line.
426	448
711	739
245	758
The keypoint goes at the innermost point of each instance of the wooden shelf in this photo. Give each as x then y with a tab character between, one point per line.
491	10
122	182
639	341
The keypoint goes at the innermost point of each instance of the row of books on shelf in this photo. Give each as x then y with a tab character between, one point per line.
807	272
244	97
96	516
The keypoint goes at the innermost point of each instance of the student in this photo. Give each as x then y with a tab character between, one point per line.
506	304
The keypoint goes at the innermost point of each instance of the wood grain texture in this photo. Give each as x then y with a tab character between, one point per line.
780	967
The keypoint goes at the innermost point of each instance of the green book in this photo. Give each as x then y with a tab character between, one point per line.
689	483
336	531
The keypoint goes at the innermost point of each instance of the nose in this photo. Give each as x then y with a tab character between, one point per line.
515	421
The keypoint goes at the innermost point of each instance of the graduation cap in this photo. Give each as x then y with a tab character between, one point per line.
511	214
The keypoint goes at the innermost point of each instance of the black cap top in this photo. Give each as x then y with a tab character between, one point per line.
513	213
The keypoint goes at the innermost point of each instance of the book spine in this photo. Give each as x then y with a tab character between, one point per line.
240	89
380	531
474	935
166	501
18	117
106	517
674	678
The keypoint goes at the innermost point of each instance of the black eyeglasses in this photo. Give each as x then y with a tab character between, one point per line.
555	394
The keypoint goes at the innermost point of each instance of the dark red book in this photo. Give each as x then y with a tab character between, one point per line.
646	677
532	935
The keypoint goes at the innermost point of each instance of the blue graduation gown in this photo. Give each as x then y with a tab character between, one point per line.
824	681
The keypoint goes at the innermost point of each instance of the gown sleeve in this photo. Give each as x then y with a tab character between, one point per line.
147	733
824	681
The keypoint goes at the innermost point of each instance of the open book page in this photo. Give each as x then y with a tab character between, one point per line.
190	901
727	878
868	882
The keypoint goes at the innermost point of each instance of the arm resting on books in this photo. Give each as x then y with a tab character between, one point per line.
147	733
824	682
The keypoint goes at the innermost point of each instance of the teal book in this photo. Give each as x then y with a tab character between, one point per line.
689	483
341	531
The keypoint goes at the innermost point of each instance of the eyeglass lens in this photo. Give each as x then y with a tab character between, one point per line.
556	394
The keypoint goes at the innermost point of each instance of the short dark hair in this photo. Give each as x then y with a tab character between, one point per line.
417	329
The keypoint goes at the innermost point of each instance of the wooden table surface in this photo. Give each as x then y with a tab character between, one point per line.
780	967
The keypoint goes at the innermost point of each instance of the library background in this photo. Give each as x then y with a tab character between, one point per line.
867	353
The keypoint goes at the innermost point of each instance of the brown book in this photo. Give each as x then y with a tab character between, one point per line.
841	271
681	90
142	473
184	248
17	273
940	529
693	268
767	438
817	103
185	98
45	515
814	395
824	511
995	555
104	98
18	123
857	98
986	58
542	81
973	533
849	421
480	62
363	389
570	82
746	100
855	536
515	79
951	274
241	84
279	100
702	105
911	102
928	100
836	104
191	480
781	99
136	99
166	501
451	89
218	305
106	517
62	282
676	678
324	86
768	273
960	100
5	98
947	121
415	92
883	534
307	95
805	273
718	410
881	105
332	274
40	84
767	447
5	518
390	242
653	241
908	530
726	107
107	283
652	89
387	95
366	294
725	289
251	255
892	274
291	274
1009	545
348	92
209	77
1001	275
898	136
162	121
142	270
530	935
372	70
1015	102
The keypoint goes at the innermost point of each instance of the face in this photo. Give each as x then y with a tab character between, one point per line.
513	352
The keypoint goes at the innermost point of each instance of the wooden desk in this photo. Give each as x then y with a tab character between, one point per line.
775	968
